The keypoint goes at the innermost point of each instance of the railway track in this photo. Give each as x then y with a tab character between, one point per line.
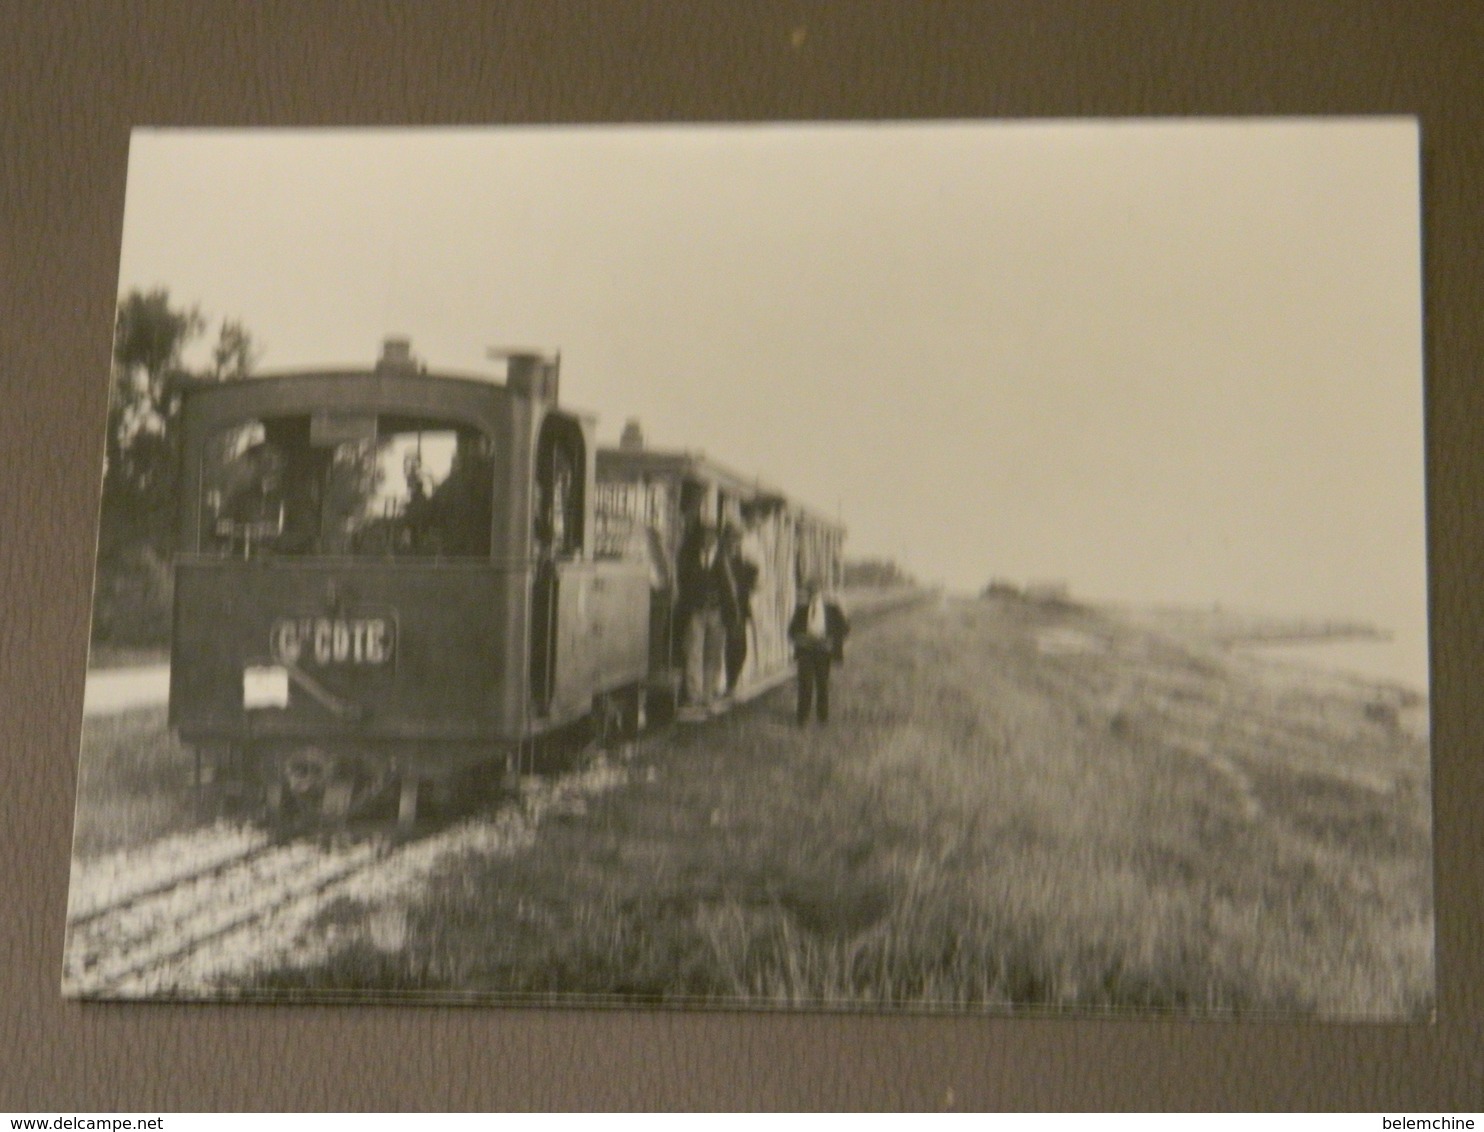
234	901
125	947
192	914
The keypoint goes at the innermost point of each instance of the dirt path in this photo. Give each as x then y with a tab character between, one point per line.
112	690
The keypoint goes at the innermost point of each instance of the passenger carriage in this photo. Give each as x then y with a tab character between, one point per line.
664	494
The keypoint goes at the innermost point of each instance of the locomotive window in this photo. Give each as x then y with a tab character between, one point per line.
405	488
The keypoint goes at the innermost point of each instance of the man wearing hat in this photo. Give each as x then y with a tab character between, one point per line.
700	611
736	578
818	631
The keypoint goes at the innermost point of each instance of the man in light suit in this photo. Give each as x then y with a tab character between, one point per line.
818	631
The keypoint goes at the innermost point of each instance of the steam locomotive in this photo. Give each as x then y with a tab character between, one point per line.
390	581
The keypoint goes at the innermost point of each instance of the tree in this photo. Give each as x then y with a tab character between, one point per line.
139	475
235	353
139	472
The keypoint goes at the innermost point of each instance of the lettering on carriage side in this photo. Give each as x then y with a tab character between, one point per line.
330	641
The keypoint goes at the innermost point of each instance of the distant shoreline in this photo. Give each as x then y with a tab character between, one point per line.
1307	635
1344	647
1233	628
1379	660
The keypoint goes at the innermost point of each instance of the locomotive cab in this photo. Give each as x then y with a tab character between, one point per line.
384	578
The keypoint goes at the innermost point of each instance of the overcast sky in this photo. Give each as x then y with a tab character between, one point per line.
1174	362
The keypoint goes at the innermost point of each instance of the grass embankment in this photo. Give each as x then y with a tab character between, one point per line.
134	782
1015	806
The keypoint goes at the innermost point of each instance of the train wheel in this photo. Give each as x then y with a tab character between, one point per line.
636	711
621	717
215	785
306	772
407	803
354	789
298	791
312	784
608	719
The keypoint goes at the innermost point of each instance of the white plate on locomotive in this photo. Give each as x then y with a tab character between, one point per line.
265	686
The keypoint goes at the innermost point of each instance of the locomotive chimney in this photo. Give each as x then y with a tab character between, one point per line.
632	439
396	357
529	374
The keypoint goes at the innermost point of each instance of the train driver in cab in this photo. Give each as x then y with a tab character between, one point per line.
253	512
261	511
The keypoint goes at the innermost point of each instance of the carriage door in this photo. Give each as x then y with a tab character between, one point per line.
558	534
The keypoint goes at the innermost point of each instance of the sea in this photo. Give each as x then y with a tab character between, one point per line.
1397	660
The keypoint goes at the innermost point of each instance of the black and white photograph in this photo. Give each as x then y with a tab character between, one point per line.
954	566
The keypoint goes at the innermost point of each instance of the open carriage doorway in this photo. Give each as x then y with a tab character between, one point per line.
558	536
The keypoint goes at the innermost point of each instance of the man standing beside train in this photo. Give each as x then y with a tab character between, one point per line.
737	579
701	612
818	631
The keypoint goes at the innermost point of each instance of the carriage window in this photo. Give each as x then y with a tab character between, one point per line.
356	485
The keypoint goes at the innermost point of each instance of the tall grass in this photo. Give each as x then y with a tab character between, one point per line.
134	782
1137	826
